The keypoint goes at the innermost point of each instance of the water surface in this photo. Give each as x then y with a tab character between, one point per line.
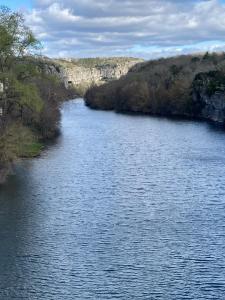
120	207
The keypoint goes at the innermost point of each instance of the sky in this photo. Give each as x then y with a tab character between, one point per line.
137	28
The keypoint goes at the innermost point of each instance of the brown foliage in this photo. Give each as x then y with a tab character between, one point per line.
159	86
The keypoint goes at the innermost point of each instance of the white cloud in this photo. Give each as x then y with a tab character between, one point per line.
115	27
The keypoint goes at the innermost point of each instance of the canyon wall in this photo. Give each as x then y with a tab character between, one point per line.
83	73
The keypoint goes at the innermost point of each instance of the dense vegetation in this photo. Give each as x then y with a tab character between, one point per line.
29	98
164	86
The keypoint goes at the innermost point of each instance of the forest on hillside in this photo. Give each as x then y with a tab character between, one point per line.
175	86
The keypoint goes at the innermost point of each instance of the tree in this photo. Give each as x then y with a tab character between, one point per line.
17	42
29	98
16	39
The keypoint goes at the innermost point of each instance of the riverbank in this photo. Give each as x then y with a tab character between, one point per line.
30	151
30	96
25	131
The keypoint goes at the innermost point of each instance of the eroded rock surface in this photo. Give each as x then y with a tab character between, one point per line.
209	94
83	73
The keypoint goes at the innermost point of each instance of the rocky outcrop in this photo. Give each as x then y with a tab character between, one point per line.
83	73
209	95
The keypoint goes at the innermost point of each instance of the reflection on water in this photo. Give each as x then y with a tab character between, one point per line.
121	207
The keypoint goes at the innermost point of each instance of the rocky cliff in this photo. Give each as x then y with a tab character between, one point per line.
83	73
209	95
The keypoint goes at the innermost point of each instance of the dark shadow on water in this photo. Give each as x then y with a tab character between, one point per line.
19	174
213	126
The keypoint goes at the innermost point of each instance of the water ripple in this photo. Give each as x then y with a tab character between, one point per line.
120	207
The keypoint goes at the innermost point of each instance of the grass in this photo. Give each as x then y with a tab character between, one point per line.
32	150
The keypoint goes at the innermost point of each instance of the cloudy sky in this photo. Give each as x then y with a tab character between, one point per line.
140	28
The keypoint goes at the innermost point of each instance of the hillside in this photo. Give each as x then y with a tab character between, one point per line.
190	86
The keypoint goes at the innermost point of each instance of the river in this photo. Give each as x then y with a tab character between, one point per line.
119	207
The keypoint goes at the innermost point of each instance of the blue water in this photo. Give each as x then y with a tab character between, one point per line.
119	207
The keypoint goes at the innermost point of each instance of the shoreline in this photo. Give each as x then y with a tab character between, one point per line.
175	117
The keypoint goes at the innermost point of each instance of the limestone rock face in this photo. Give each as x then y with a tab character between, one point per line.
90	71
1	87
214	108
209	95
